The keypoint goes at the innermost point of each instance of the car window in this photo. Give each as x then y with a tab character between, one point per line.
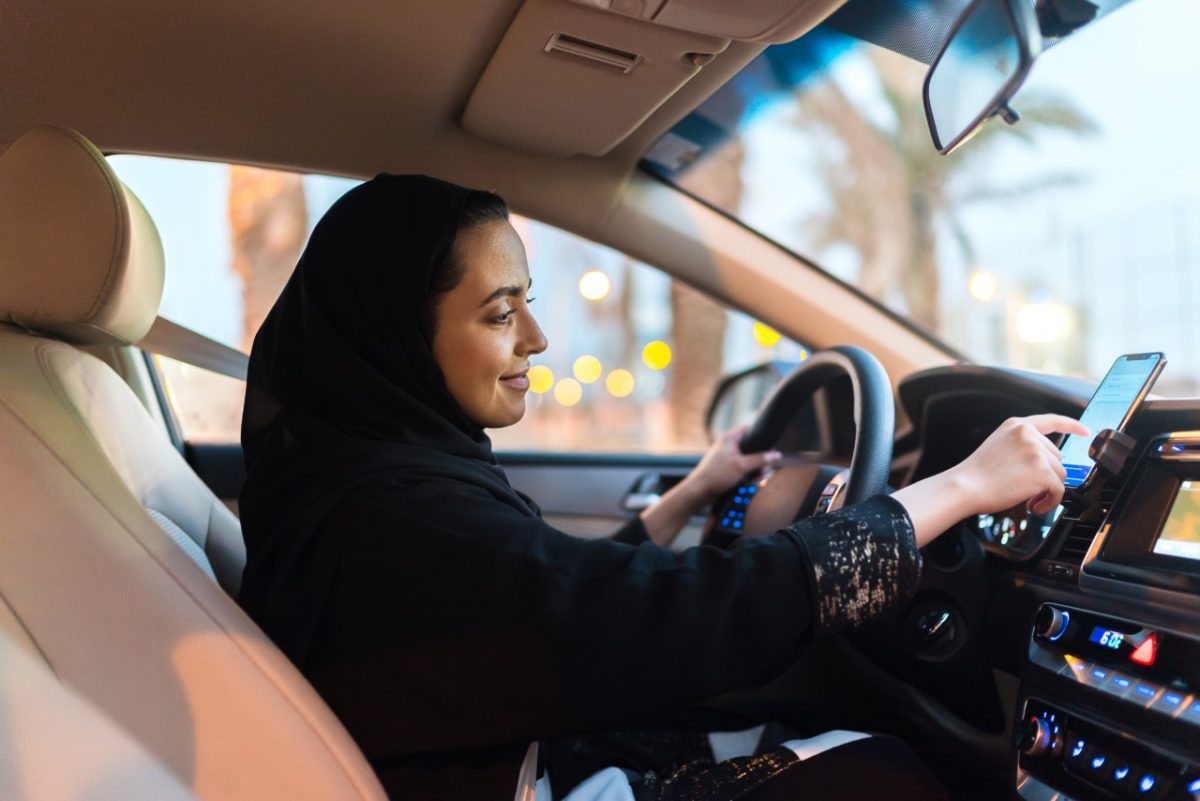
633	357
1054	244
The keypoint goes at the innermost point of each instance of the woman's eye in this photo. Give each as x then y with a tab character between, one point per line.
529	300
503	318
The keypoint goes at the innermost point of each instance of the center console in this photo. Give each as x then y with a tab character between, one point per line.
1110	705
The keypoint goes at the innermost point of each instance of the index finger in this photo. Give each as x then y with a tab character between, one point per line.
1057	424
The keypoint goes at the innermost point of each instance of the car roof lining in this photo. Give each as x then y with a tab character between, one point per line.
371	89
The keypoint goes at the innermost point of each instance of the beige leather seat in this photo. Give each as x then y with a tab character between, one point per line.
58	747
109	544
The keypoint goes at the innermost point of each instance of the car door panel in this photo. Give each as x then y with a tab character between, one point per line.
589	495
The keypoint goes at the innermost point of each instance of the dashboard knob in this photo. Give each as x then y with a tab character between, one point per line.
1051	623
1037	738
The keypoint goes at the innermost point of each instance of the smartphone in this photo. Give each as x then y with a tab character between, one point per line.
1117	398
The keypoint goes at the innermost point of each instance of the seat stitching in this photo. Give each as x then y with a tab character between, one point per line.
264	670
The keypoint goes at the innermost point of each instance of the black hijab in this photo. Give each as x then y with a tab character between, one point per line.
343	386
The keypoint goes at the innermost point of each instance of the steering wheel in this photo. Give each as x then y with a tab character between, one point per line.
952	589
789	491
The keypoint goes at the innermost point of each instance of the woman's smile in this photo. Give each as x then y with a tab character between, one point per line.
517	381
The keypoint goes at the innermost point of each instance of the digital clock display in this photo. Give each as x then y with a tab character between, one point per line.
1107	638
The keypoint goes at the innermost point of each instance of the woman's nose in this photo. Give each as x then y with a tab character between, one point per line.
534	341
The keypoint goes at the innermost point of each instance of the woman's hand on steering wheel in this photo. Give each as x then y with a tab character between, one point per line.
724	465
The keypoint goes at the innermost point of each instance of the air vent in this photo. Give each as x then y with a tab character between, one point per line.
1076	545
1110	490
597	55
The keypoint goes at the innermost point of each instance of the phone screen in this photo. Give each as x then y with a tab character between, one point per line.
1108	408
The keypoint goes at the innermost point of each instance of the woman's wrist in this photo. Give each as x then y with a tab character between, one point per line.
936	503
961	490
695	493
665	519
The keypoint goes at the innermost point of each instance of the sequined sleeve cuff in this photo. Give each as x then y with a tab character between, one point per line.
864	562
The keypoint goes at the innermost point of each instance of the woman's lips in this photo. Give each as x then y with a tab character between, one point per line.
518	381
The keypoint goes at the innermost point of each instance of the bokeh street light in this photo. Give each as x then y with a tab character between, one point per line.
594	285
541	378
765	335
982	285
1044	321
587	369
568	392
619	383
656	355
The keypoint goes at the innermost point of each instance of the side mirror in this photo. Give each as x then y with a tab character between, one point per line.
979	69
738	396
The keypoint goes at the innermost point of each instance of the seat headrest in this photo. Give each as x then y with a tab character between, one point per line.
80	259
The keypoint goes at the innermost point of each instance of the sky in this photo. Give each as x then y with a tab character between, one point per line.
1120	247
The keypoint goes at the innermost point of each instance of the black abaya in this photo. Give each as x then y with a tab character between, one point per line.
443	621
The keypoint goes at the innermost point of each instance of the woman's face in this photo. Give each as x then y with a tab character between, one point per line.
485	332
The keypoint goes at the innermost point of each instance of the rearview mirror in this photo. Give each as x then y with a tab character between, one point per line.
981	66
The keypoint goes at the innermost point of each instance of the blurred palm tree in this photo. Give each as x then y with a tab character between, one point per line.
268	222
698	322
890	189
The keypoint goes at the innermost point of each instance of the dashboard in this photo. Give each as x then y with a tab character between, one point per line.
1092	611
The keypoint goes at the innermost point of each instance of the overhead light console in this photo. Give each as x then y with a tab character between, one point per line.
765	21
576	77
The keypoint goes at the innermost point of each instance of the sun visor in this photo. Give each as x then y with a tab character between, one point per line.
571	79
762	21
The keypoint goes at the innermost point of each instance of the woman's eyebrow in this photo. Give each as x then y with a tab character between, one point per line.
510	291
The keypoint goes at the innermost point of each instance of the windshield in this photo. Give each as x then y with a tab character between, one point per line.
1054	245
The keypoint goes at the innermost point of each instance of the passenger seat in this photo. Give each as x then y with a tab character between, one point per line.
115	559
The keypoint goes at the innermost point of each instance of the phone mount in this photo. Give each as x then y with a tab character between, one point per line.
1110	450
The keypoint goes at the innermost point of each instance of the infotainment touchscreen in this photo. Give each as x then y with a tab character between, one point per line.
1180	535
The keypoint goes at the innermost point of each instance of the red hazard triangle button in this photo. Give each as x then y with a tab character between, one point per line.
1144	654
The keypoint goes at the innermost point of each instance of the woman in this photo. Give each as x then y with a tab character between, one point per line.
442	620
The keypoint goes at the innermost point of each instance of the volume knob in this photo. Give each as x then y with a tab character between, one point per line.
1036	738
1051	623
